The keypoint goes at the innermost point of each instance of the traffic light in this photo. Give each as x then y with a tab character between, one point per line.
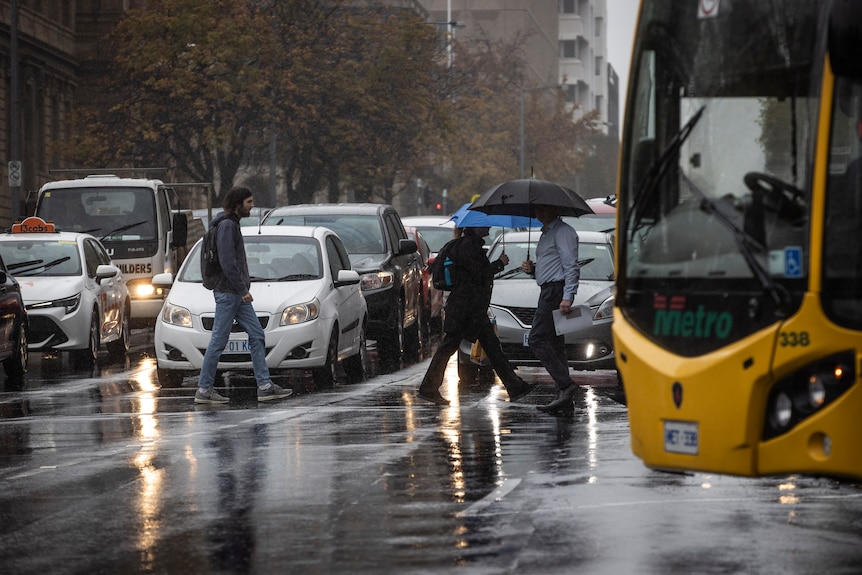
438	207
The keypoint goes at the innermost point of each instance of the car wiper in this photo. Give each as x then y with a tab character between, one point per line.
582	263
647	195
297	277
746	244
123	229
37	264
19	265
508	273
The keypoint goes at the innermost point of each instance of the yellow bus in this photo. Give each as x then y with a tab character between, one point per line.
738	332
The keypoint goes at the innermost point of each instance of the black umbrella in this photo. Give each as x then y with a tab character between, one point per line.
517	198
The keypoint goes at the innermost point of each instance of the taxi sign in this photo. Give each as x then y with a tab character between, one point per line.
33	225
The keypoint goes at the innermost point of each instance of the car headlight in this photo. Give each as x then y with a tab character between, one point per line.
606	310
300	313
70	304
176	315
376	281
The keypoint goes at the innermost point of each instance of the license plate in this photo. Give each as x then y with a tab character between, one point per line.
681	437
236	346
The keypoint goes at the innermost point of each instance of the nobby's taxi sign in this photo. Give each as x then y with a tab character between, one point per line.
33	225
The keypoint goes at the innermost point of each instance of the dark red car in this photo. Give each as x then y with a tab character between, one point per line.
432	298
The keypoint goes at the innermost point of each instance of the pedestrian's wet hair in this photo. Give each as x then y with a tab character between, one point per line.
235	197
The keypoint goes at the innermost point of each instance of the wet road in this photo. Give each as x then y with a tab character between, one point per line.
105	472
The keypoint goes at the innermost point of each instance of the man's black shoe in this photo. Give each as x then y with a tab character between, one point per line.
433	397
521	391
563	399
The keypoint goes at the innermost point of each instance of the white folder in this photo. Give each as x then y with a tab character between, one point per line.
578	318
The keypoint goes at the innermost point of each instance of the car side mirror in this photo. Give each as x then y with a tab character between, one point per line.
346	278
104	271
407	247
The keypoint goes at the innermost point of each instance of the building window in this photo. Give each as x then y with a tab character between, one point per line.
598	30
598	65
567	7
568	49
571	93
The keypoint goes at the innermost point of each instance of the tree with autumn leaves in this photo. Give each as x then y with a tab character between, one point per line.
352	103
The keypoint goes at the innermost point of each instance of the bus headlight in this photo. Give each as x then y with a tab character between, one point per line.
806	391
782	411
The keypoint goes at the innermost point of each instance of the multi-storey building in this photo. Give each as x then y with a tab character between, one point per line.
567	43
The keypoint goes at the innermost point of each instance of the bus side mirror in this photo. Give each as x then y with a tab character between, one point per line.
181	230
845	37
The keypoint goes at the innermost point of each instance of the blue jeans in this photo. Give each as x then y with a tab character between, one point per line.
229	307
548	347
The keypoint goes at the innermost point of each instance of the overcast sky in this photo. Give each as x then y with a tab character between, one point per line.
622	15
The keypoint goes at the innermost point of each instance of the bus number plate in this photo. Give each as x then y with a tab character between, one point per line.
681	437
236	346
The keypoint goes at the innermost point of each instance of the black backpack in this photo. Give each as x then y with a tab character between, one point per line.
210	266
445	273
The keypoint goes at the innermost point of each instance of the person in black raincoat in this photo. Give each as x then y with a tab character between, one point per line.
467	318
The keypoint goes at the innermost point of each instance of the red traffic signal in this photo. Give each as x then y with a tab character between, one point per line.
438	206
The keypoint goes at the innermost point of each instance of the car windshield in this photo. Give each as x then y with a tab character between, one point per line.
25	258
270	258
360	234
596	259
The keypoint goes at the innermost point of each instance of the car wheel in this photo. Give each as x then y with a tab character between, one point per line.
354	366
169	377
15	365
390	347
120	347
84	358
324	377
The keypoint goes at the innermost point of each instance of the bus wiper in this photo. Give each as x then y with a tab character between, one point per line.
745	243
37	264
657	171
123	229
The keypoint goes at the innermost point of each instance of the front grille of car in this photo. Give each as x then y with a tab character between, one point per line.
208	324
575	352
43	329
234	357
524	314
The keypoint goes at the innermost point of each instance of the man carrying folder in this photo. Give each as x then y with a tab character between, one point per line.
557	272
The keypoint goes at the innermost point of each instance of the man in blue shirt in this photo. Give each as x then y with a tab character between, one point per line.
557	273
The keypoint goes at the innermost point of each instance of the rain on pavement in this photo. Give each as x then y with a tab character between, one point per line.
106	472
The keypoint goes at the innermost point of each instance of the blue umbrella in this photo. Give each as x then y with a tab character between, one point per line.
467	218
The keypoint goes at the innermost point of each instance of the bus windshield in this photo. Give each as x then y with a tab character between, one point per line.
110	214
720	136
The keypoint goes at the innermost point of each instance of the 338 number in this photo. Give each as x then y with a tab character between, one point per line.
793	339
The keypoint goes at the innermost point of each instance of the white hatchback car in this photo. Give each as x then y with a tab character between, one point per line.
306	296
76	299
513	303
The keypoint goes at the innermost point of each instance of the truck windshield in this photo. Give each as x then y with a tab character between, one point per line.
111	214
